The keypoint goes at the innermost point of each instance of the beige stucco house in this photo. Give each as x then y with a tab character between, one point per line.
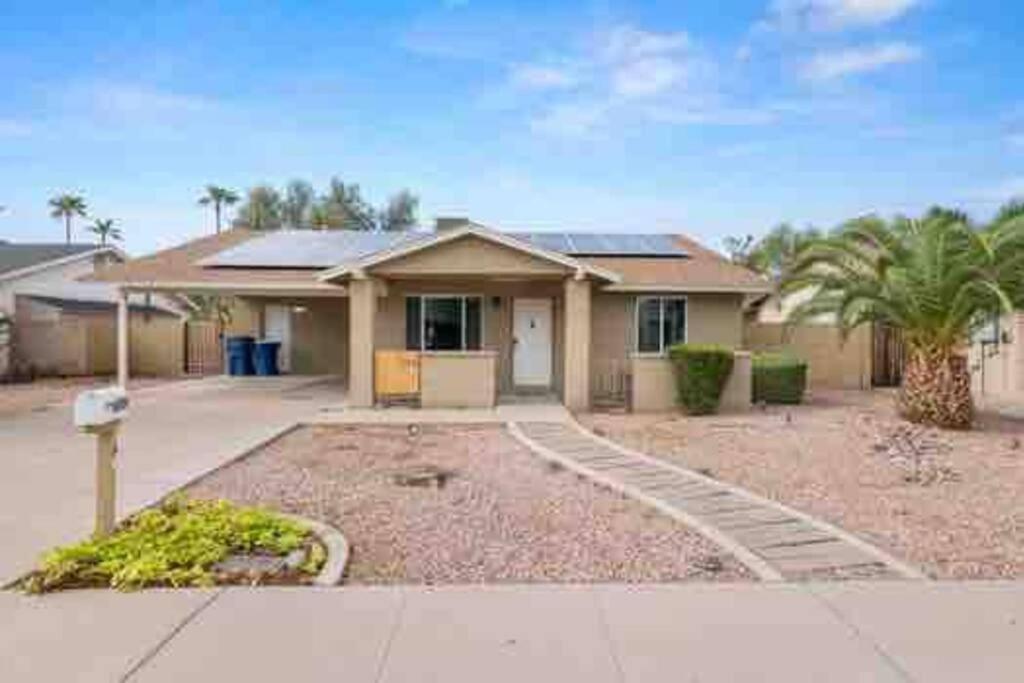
467	315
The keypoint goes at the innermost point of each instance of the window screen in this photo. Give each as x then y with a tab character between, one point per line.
413	323
648	317
674	322
661	322
443	323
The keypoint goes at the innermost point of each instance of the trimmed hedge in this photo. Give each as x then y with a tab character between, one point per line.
778	378
701	373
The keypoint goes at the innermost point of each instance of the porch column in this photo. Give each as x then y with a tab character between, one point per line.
122	338
576	389
362	302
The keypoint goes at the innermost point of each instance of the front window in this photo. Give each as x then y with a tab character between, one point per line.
660	323
443	323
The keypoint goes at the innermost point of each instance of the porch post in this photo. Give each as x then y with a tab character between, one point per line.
576	390
122	338
362	301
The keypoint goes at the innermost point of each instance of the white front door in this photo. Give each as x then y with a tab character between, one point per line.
531	334
277	326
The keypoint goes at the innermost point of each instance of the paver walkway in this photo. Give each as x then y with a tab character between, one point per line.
774	541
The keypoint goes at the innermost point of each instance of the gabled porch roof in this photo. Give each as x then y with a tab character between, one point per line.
408	248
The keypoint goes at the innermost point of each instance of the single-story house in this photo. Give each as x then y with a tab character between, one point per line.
467	315
61	325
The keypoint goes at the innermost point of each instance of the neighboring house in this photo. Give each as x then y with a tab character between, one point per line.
467	315
61	325
996	359
832	362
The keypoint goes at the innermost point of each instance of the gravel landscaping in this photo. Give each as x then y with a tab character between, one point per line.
949	502
464	504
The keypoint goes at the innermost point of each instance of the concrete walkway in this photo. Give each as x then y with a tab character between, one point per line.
173	434
878	631
774	541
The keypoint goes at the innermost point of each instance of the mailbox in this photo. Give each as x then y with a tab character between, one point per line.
100	408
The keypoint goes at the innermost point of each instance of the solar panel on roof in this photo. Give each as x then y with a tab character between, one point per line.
604	244
305	249
316	249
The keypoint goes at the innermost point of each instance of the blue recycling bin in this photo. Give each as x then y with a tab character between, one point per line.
239	352
266	357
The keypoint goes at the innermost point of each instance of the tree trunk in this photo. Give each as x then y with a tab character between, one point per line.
216	212
936	389
67	229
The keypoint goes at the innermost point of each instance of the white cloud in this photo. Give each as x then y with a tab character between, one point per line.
624	43
833	15
571	119
542	77
827	66
647	77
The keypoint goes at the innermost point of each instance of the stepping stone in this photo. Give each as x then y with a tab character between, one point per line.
779	534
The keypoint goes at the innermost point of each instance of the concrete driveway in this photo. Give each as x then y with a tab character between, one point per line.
174	433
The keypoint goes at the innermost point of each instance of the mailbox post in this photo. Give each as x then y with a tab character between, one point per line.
100	412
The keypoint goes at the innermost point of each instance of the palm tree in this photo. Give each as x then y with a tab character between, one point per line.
219	197
105	230
935	279
67	206
319	217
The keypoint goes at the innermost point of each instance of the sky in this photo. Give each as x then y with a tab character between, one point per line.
712	119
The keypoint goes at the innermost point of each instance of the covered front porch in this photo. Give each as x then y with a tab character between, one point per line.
471	342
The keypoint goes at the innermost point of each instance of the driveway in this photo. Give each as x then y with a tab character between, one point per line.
173	433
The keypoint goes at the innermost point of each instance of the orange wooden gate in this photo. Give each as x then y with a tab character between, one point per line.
203	354
396	374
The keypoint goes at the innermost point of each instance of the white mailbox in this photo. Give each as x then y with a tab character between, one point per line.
100	408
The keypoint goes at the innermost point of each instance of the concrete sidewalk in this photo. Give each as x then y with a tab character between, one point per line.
876	631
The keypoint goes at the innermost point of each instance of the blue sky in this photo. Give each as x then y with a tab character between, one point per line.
707	118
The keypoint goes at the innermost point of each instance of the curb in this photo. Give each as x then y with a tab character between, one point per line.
337	549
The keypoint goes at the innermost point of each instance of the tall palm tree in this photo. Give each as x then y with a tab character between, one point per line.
67	206
319	217
219	197
935	279
105	230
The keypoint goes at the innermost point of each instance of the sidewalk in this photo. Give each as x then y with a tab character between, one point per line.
878	631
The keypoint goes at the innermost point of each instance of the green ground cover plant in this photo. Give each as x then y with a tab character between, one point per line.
175	544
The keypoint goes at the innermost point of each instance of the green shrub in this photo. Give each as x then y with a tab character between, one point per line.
778	378
701	374
175	544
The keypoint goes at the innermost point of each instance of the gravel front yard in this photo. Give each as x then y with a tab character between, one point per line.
951	502
503	515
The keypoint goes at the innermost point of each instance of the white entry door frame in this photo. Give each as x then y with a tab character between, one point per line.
532	341
277	326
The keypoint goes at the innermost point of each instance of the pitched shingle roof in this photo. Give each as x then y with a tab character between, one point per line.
694	266
25	255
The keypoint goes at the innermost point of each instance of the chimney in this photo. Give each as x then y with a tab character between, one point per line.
446	223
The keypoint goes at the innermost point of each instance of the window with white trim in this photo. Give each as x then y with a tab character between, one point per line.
443	323
660	323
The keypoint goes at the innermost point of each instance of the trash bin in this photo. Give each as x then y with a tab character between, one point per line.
266	357
239	351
